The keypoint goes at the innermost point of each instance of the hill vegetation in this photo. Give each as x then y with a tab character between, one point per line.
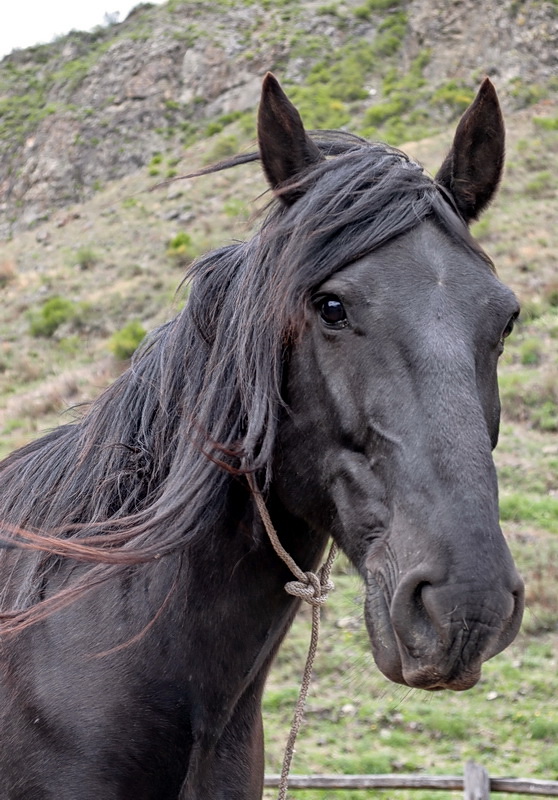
92	259
92	107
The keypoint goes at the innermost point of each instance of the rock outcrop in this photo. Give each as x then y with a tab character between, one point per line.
92	107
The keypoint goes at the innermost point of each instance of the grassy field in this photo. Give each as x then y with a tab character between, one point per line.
116	260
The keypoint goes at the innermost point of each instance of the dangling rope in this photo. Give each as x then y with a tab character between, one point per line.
313	589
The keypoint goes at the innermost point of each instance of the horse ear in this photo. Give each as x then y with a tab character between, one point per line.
285	148
473	167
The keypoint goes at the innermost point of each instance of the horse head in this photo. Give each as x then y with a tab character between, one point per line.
390	390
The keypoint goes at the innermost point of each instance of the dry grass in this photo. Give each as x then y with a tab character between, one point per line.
8	272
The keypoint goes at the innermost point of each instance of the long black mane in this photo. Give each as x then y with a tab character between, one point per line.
145	471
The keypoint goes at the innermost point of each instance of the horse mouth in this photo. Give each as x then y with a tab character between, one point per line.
427	660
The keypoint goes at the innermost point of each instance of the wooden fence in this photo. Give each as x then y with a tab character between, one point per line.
476	784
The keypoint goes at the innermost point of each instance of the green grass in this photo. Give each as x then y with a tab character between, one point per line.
336	85
225	145
402	113
372	7
20	115
547	123
454	96
529	394
536	510
531	352
542	184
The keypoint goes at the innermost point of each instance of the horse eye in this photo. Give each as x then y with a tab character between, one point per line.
509	327
332	311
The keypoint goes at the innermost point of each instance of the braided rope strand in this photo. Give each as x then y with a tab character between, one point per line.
313	589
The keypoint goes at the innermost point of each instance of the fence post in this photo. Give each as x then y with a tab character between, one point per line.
477	782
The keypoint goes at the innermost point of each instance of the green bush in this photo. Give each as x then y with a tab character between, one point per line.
181	249
86	257
53	313
214	127
124	343
454	96
382	112
551	295
318	107
526	93
20	115
226	145
367	9
531	310
235	207
402	114
530	396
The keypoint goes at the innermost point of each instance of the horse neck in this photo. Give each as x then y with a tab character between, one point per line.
236	573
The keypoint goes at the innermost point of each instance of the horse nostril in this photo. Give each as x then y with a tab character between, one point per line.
412	615
417	599
417	594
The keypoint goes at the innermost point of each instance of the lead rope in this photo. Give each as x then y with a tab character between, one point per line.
313	589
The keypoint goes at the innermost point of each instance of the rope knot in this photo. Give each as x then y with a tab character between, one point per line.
314	589
311	588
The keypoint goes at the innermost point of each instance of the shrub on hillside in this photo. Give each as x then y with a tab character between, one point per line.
53	313
181	250
124	343
86	257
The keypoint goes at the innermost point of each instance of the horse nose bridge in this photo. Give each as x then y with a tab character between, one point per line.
446	480
442	431
447	413
454	433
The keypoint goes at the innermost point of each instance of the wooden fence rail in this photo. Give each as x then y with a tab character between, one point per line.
475	783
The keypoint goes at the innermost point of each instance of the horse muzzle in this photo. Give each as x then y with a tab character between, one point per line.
434	632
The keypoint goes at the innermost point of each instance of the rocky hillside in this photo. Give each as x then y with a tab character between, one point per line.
93	107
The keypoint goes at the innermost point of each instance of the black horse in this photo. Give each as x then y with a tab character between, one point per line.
344	360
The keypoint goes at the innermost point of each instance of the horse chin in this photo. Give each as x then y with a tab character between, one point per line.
431	680
393	659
